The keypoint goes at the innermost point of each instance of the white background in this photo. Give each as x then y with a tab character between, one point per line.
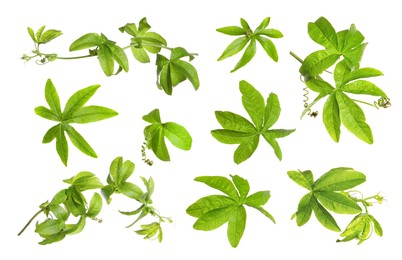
32	173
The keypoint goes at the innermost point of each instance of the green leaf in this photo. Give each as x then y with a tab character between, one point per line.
220	183
362	73
177	135
258	199
273	33
319	86
49	35
272	111
178	53
153	37
208	203
46	113
91	114
253	102
124	172
51	134
215	218
234	122
153	117
32	34
134	212
337	202
315	63
84	181
230	136
62	146
304	209
119	56
377	226
49	227
244	24
143	25
246	149
264	212
59	212
278	133
165	80
232	30
264	23
52	98
247	55
76	228
234	47
115	170
131	190
324	217
106	59
188	71
59	198
242	186
52	239
159	145
176	75
95	205
353	38
39	32
339	179
274	144
363	87
269	47
303	178
140	54
322	32
354	56
86	41
341	73
353	118
236	226
331	117
79	141
78	100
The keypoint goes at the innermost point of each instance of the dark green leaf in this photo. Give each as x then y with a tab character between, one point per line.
247	55
269	47
253	102
236	226
79	142
246	149
353	118
208	203
304	179
339	179
331	117
78	100
177	135
234	47
91	114
220	183
232	30
86	41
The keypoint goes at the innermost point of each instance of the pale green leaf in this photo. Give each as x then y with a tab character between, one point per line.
52	98
274	144
49	35
62	146
231	30
188	71
46	113
95	205
362	73
318	61
130	190
304	209
363	87
119	56
177	135
273	33
140	54
258	199
264	23
153	117
319	86
324	217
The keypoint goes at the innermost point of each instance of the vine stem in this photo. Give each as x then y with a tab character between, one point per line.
296	57
30	221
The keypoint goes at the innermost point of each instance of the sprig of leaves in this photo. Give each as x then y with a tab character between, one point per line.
74	112
250	37
119	172
67	202
156	132
71	201
329	192
215	210
142	43
239	130
348	76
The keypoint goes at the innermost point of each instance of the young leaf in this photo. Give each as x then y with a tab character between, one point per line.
247	55
86	41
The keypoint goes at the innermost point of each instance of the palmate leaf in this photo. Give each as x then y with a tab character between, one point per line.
216	210
249	38
156	132
74	112
326	193
239	130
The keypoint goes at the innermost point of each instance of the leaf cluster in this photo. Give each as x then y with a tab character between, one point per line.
74	112
72	202
156	132
215	210
345	49
239	130
328	193
250	38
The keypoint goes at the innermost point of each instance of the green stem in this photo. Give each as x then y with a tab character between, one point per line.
296	57
157	46
75	57
30	221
